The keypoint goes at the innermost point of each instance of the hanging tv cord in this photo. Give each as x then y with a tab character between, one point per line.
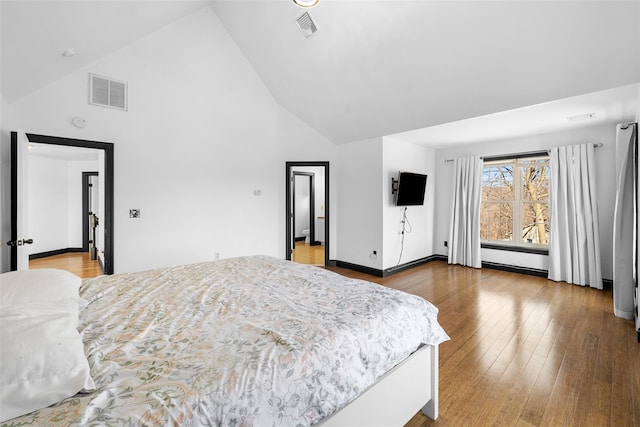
406	229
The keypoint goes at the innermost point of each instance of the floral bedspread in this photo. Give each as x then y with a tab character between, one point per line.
250	341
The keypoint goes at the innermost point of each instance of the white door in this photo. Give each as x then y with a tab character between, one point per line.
22	239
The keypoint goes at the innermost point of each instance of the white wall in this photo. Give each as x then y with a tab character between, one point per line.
402	156
361	178
5	186
202	132
5	177
48	203
638	107
606	188
55	203
369	220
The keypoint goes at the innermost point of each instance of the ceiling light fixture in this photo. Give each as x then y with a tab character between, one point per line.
69	53
306	3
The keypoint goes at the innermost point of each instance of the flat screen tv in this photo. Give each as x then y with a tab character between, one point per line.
411	187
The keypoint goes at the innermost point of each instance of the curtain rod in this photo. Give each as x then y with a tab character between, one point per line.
627	125
527	154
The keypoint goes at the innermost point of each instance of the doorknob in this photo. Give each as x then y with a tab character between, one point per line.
20	242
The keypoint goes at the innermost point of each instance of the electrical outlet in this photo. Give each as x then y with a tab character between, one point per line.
216	255
134	213
446	244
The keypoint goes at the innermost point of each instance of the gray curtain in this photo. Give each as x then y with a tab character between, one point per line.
464	230
574	245
624	223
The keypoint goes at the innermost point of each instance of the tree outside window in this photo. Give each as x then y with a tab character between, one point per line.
515	201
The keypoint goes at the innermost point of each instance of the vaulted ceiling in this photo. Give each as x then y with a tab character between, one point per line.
373	68
381	67
34	34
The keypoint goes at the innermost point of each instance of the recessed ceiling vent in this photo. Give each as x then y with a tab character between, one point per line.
306	24
107	92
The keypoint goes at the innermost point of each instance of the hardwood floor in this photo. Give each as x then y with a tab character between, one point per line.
307	254
78	263
525	351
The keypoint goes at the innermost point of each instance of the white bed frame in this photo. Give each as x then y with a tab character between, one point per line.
397	396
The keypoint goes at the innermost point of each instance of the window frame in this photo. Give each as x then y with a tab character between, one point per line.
517	204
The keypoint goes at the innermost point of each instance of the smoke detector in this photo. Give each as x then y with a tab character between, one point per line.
306	24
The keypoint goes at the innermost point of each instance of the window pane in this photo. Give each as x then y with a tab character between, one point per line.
535	179
497	182
535	222
496	221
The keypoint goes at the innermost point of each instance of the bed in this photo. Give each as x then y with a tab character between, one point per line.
247	341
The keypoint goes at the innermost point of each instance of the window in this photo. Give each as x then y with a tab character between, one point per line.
515	202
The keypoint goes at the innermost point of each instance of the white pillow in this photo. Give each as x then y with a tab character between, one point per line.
42	358
43	285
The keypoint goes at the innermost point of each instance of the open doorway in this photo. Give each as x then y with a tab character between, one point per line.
37	239
307	195
64	209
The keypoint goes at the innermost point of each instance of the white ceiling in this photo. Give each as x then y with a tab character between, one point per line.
609	106
382	67
465	70
35	33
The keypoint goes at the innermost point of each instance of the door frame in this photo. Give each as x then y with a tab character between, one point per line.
86	189
312	205
108	147
288	196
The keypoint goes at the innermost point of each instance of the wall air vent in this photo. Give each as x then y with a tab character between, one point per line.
107	92
306	24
